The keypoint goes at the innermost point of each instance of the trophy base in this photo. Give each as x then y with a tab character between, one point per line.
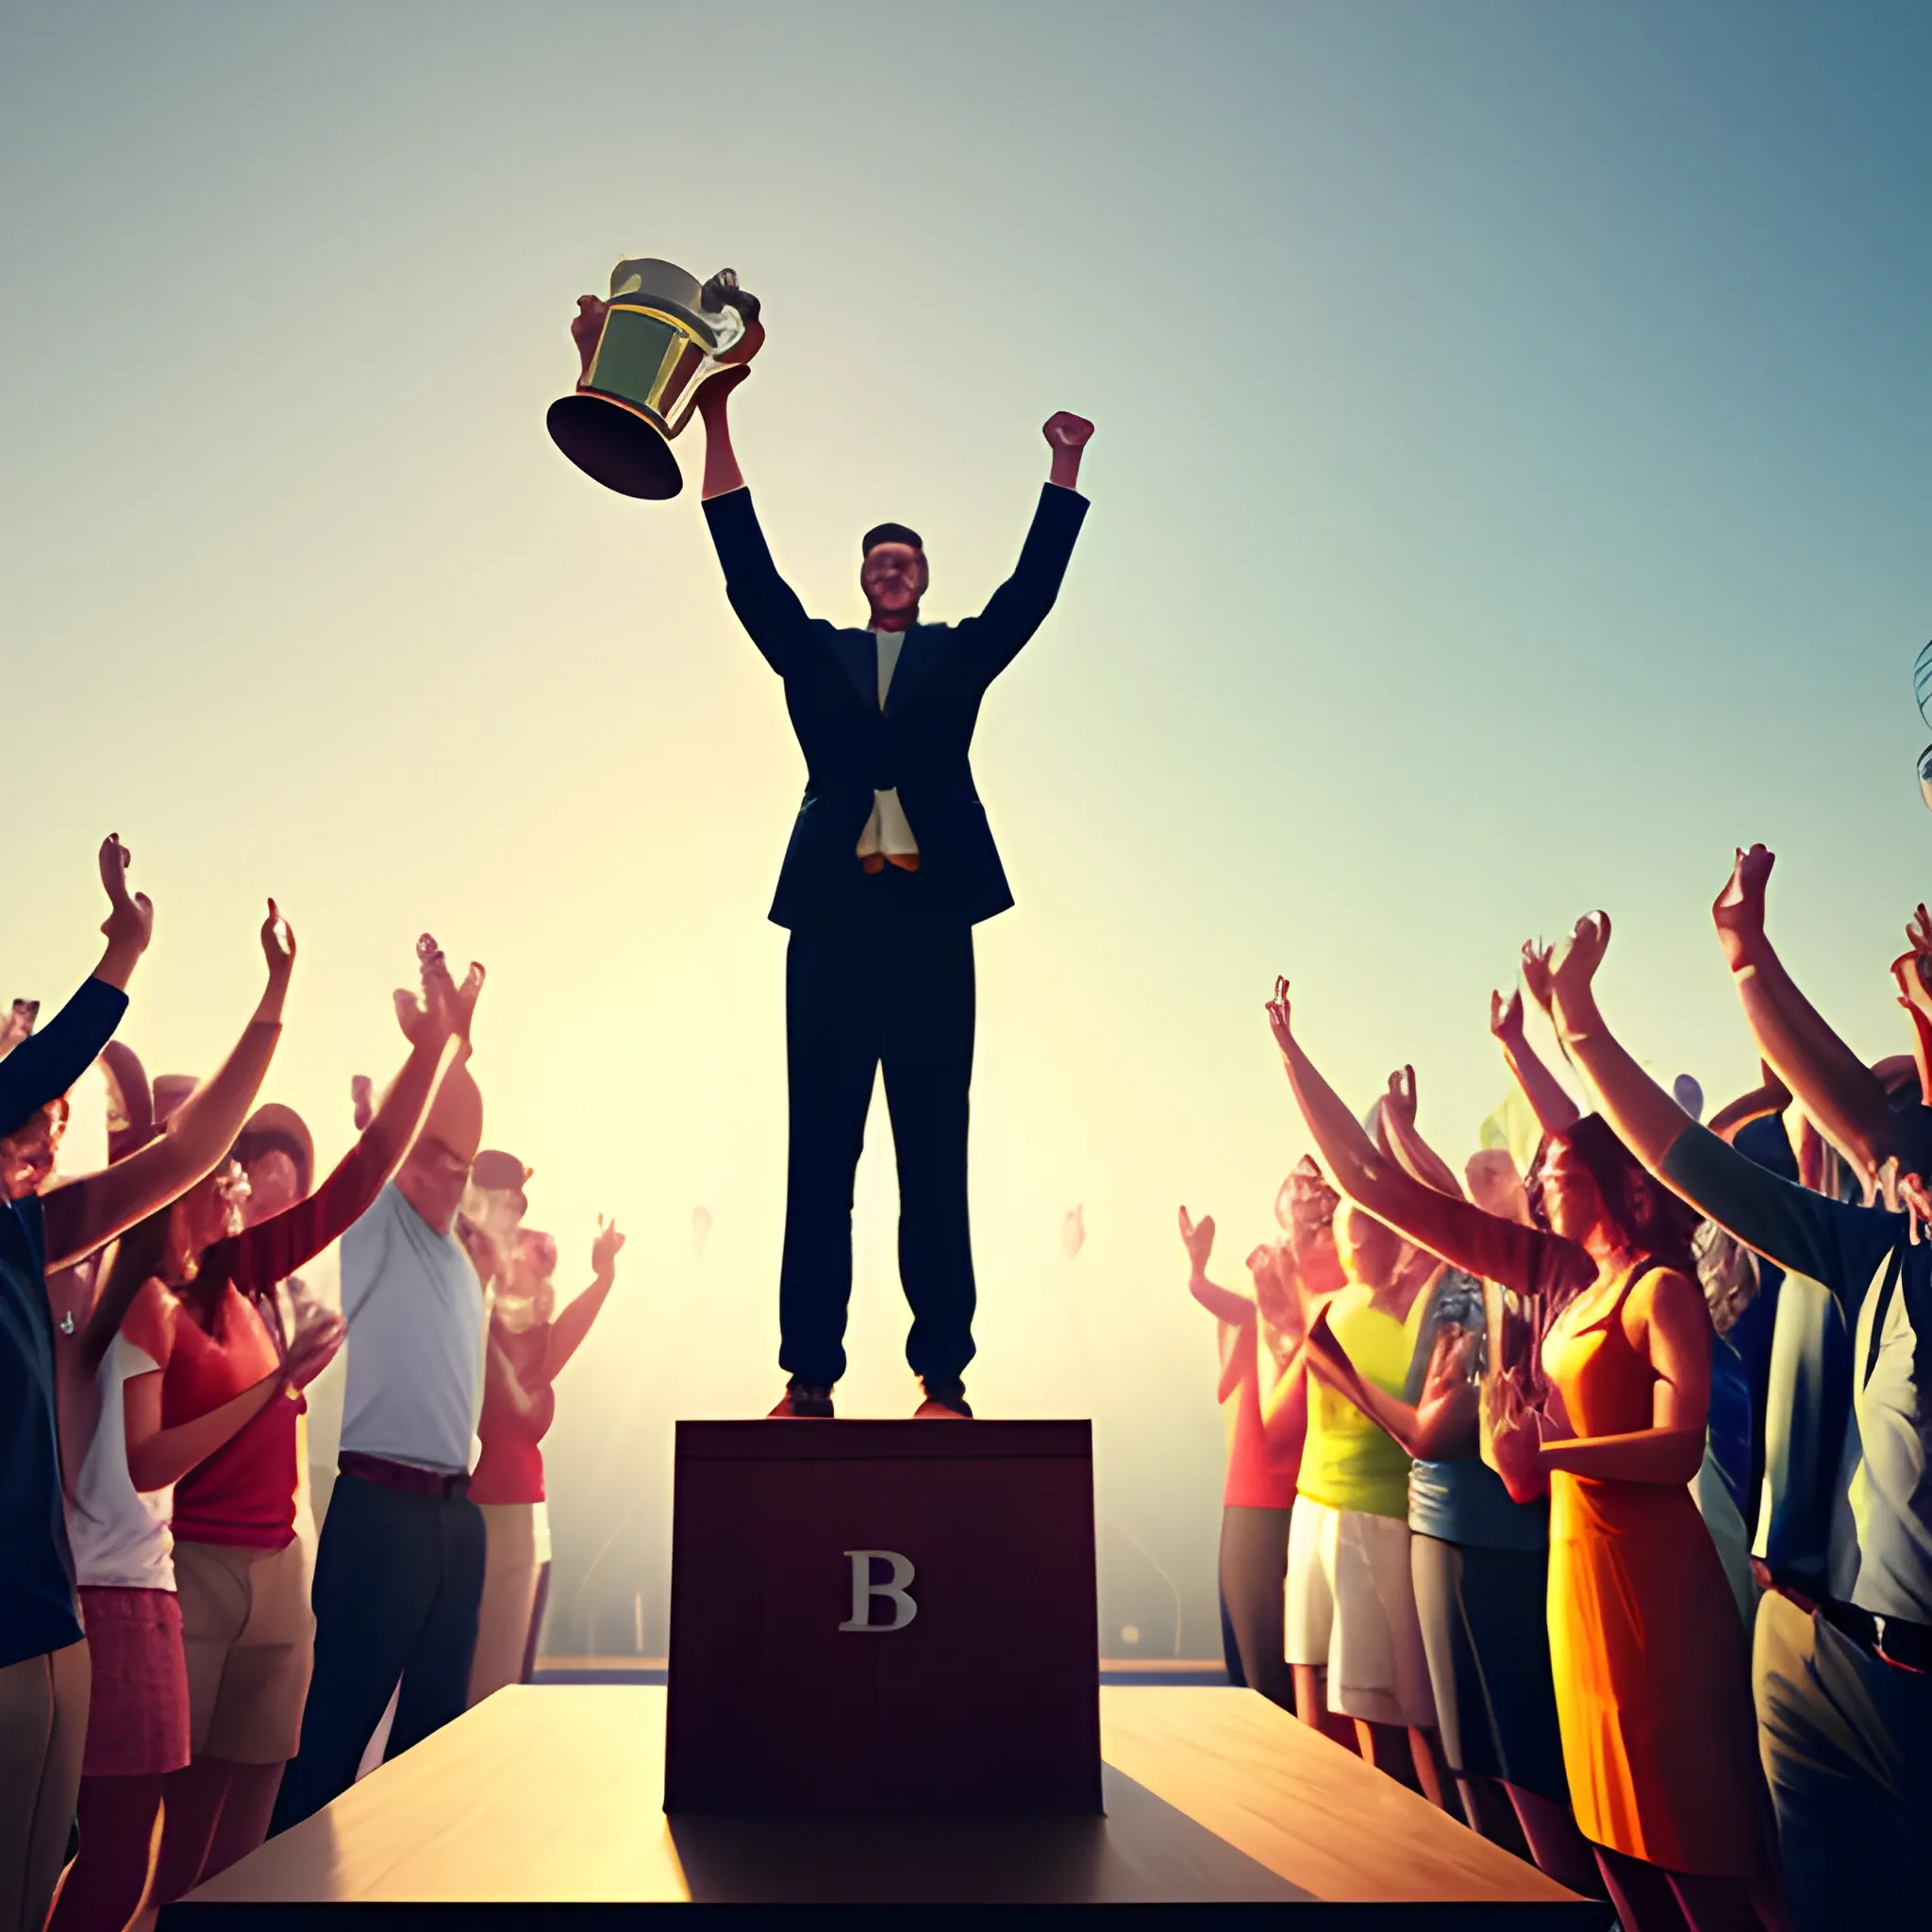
615	446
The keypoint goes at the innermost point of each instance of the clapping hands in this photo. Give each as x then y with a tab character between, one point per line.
443	1010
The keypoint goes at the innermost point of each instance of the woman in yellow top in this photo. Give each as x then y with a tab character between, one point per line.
1352	1637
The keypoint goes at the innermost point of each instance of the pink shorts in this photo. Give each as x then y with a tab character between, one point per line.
137	1725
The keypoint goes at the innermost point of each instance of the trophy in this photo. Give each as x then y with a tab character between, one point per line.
646	354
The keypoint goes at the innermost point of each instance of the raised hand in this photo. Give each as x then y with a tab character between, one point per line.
362	1098
586	327
1737	911
1913	970
1576	967
710	398
1281	1016
1919	932
1506	1017
605	1249
1399	1103
277	944
1535	972
1066	435
1197	1236
429	1019
464	999
130	921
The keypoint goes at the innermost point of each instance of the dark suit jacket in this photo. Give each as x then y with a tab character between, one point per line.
918	743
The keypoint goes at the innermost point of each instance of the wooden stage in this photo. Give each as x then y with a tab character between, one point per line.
545	1803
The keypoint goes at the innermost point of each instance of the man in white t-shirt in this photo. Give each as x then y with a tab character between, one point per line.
399	1571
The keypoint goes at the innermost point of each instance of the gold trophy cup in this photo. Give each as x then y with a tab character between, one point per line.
661	337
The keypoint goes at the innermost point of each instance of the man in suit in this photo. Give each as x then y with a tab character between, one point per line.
890	868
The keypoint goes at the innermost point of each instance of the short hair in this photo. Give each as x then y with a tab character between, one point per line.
888	533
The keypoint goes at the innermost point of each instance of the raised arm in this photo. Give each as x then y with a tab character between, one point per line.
501	1374
568	1329
1197	1236
84	1214
1770	1096
1832	1243
1912	969
766	605
1489	1248
1021	605
271	1250
1835	1087
43	1065
1552	1106
1419	1160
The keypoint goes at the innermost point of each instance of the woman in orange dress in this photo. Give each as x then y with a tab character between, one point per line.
1653	1682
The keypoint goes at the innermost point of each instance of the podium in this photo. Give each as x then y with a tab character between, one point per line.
875	1618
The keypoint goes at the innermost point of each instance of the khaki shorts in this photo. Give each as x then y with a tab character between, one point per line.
249	1636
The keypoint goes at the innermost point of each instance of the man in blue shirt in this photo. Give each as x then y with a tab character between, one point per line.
43	1666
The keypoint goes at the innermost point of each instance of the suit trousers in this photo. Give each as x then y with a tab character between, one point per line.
398	1583
887	982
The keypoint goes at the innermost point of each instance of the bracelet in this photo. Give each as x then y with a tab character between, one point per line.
1740	974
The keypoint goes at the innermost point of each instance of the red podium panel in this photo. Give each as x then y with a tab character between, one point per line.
883	1616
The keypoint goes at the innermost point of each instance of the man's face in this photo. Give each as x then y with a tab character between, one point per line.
893	578
432	1180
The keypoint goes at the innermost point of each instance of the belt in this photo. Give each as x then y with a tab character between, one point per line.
404	1477
1891	1640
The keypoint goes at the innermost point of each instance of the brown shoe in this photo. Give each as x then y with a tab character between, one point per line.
804	1400
943	1409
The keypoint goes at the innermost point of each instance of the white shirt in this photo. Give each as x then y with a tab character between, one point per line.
414	1385
121	1538
887	832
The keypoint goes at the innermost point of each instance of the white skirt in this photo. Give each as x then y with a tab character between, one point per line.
1350	1609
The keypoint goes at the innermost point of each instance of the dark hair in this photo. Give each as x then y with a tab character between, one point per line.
1641	1210
136	1260
888	533
495	1169
253	1142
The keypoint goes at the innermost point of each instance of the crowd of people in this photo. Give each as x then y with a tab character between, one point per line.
185	1664
1592	1497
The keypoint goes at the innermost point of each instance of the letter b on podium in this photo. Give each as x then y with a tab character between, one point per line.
883	1616
864	1590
